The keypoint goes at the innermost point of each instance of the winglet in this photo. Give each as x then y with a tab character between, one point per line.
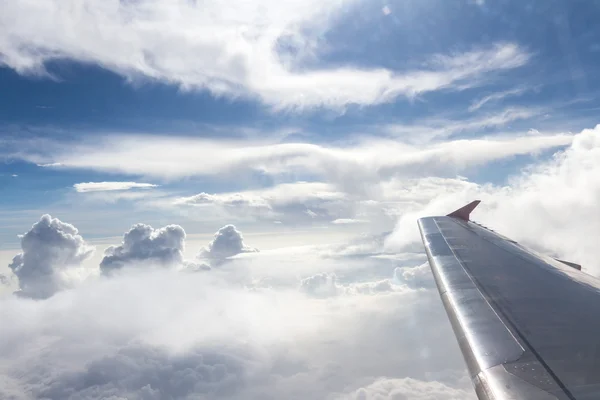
570	264
464	212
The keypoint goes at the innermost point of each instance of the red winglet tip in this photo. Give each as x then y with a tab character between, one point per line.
464	212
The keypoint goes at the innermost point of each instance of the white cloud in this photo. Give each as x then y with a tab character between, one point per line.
51	258
407	388
323	284
438	128
345	221
281	202
236	48
159	333
143	244
316	203
355	167
547	206
110	186
416	277
494	97
227	243
327	284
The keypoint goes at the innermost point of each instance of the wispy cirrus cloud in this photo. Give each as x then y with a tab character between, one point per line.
235	49
497	96
110	186
436	128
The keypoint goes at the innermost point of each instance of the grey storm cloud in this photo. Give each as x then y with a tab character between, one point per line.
228	242
51	251
142	243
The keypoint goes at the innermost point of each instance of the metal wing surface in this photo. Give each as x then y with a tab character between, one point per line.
528	325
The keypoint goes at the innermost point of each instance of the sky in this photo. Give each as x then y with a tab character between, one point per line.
205	199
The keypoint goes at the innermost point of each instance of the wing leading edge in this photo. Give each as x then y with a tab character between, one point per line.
528	325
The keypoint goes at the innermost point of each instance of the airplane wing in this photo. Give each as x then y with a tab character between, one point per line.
528	325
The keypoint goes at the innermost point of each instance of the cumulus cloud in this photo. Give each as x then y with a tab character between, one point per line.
407	388
143	244
256	49
110	186
546	206
227	243
323	284
327	284
51	258
415	277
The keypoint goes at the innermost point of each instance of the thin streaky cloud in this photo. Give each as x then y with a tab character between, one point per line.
368	160
110	186
494	97
441	128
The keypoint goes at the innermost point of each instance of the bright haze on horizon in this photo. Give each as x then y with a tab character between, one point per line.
218	199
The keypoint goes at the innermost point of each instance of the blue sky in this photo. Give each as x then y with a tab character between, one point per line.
499	68
65	90
156	132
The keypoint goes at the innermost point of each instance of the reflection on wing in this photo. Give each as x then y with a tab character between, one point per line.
528	325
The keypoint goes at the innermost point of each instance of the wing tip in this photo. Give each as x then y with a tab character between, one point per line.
465	211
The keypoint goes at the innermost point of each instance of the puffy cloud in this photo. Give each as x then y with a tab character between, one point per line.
407	388
256	49
325	284
416	277
321	285
546	206
110	186
143	244
51	260
227	243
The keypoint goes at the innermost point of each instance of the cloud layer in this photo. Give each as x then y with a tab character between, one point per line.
51	258
237	333
259	50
